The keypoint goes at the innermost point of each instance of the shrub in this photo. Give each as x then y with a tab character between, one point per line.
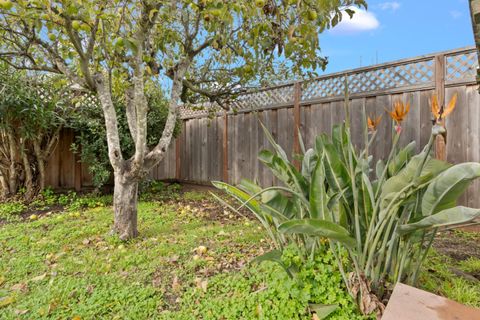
91	143
385	221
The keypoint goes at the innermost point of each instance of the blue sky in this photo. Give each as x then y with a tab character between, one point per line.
392	30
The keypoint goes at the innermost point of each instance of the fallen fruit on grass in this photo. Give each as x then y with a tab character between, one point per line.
33	217
196	257
201	249
121	247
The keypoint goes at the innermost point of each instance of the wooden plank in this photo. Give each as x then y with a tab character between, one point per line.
337	113
315	122
195	144
204	150
383	141
224	127
457	135
357	122
409	303
473	138
67	162
305	125
186	164
425	118
410	126
284	133
254	149
440	147
296	123
178	157
325	115
231	148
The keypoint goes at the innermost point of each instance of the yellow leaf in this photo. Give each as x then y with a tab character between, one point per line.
39	278
5	301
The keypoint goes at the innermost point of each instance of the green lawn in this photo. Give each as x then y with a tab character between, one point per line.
66	266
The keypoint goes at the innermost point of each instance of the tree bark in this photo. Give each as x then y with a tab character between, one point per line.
12	178
4	190
40	164
30	192
125	206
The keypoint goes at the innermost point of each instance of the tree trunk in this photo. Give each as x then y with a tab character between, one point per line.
125	206
4	190
13	174
30	192
40	163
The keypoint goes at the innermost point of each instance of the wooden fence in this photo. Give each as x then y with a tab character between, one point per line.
225	147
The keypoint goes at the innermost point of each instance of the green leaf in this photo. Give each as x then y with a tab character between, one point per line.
319	228
323	310
379	168
443	218
406	176
318	195
401	158
274	255
444	190
335	170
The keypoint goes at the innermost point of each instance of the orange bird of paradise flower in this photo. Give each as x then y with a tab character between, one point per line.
399	112
373	123
442	112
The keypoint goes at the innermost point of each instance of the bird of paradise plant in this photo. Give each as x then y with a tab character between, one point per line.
386	222
399	113
373	122
440	113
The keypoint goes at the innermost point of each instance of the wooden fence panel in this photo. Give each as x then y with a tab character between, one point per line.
226	147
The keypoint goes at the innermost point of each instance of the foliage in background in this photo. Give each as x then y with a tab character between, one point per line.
386	221
91	143
31	116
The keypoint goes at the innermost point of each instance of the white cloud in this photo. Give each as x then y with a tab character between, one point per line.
455	14
360	22
390	5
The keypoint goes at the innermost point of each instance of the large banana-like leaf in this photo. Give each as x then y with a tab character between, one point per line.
451	216
308	164
401	158
444	190
284	170
274	202
318	195
253	204
335	171
318	227
431	168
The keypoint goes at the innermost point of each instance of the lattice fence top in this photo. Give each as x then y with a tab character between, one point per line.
460	66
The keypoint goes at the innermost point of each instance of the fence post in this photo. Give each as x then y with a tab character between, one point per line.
297	89
440	142
225	148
